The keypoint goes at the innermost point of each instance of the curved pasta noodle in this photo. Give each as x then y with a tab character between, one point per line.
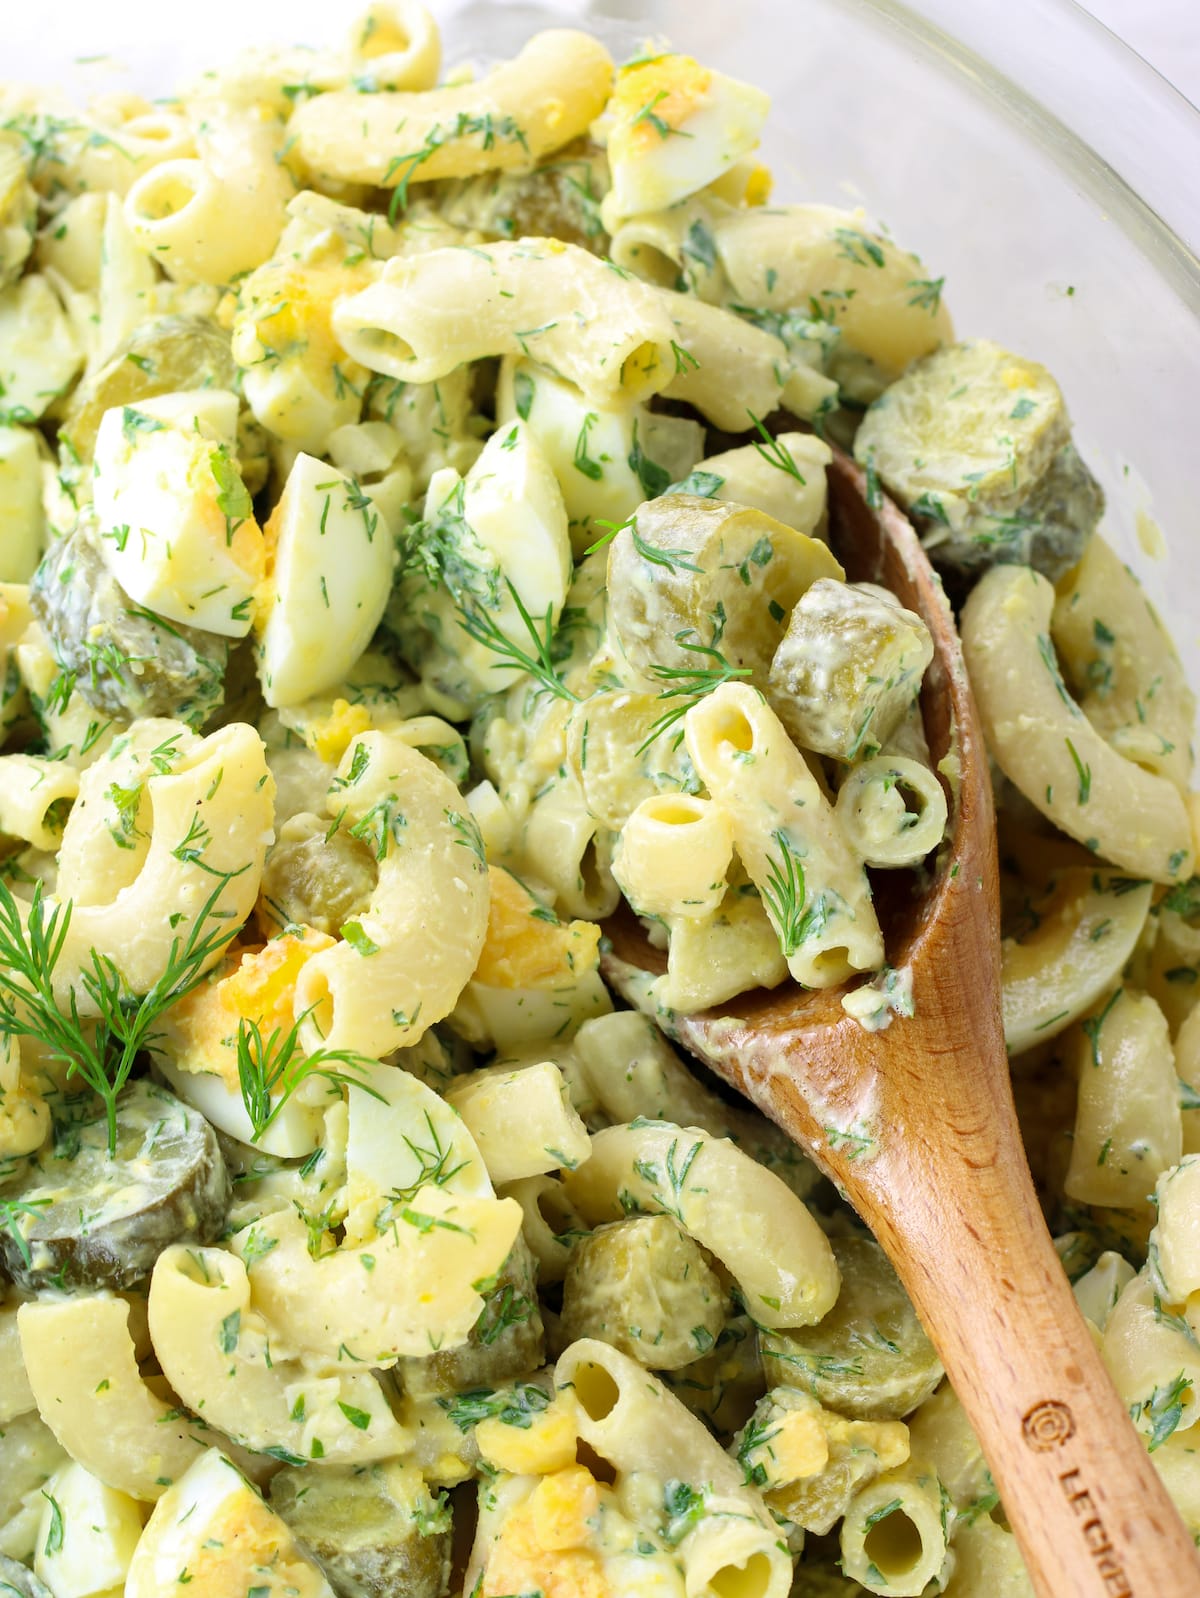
892	810
879	296
523	110
394	45
608	334
1086	928
797	499
412	951
811	882
1128	1129
215	1351
633	1072
673	856
628	1417
209	825
893	1537
734	950
522	1120
24	1113
34	796
739	1211
549	1219
1151	1351
84	1376
1121	661
1045	745
730	370
419	1292
207	218
563	846
1176	1235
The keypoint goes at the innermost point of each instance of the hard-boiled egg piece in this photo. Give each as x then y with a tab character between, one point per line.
177	527
675	126
298	380
197	1050
607	459
212	1532
402	1136
39	351
490	543
331	558
87	1535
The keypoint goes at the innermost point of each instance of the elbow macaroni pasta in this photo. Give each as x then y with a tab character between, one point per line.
411	551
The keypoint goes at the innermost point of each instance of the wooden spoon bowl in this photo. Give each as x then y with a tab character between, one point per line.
916	1124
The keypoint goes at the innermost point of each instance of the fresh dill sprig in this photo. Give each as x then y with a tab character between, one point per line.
774	451
688	684
784	894
102	1051
271	1069
478	624
11	1211
435	1166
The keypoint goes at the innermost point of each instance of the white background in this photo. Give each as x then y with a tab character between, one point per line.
1165	32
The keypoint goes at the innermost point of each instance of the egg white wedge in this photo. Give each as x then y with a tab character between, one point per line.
212	1532
333	556
515	533
177	527
87	1535
676	127
402	1135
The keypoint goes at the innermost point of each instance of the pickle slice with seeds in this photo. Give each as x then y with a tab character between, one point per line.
869	1358
375	1530
88	1221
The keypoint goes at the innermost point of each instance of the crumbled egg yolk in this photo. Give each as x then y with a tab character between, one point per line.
258	985
548	1444
545	1542
526	949
247	1548
331	735
663	92
287	306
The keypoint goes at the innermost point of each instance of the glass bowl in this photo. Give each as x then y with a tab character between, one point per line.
1037	163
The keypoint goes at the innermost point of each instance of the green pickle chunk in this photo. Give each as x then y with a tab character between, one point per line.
87	1221
697	586
167	356
506	1341
869	1358
122	658
20	1580
645	1287
375	1530
975	443
848	668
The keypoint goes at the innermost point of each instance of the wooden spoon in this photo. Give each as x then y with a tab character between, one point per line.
916	1124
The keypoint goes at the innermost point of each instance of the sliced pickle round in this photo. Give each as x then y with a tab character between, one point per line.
166	356
869	1358
975	443
375	1530
19	1579
88	1221
125	661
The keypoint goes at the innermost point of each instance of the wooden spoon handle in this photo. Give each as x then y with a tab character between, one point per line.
1091	1513
953	1205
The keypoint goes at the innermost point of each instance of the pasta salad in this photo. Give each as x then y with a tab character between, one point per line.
414	545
